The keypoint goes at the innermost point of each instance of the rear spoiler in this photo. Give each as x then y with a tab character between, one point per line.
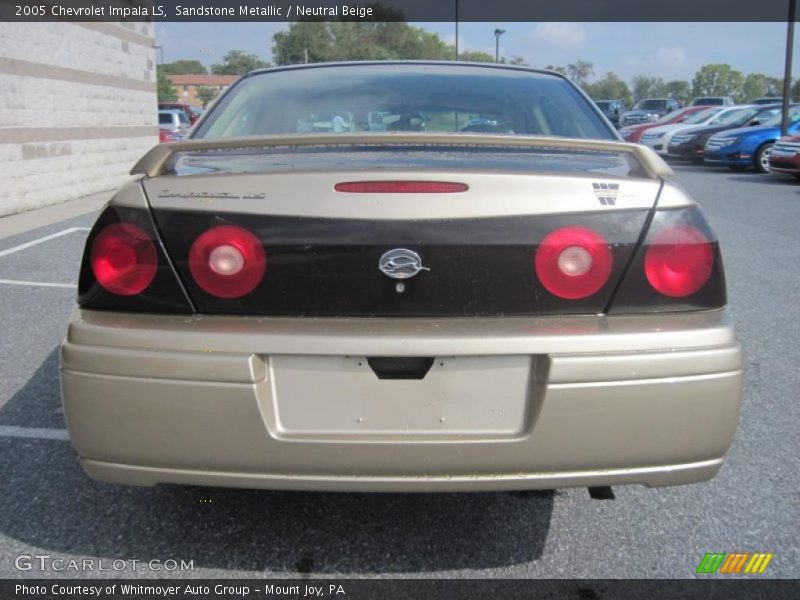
152	164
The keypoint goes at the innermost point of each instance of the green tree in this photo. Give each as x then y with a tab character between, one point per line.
644	86
755	86
517	60
758	85
305	40
557	69
795	89
206	94
774	86
678	89
475	56
718	79
184	67
580	71
164	89
317	41
236	62
610	87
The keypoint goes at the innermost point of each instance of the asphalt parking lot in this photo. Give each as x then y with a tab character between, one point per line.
49	507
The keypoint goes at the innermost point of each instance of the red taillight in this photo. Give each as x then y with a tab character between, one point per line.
227	261
573	262
124	259
401	187
679	261
167	136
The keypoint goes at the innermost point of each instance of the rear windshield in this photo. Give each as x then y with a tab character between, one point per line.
702	116
673	115
735	117
708	101
402	97
794	116
650	105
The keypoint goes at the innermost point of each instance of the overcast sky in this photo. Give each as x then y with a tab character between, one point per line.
668	50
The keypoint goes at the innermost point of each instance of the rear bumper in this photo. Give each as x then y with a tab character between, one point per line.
508	404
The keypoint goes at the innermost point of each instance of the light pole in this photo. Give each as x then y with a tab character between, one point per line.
160	54
787	73
497	34
210	52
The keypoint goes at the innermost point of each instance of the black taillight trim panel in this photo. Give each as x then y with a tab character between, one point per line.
322	267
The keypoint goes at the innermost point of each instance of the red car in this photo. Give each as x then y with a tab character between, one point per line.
165	135
191	111
785	156
632	133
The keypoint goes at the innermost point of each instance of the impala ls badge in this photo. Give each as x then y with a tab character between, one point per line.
401	264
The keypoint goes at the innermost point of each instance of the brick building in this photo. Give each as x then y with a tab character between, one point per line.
77	108
186	86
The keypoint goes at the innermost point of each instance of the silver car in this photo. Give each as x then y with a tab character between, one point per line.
173	120
420	309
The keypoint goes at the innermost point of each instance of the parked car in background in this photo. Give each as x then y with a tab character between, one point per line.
389	311
192	112
612	109
165	135
746	147
632	133
713	101
173	120
768	100
691	144
658	138
785	156
649	110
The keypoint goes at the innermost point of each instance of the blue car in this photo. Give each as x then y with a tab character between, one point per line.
749	146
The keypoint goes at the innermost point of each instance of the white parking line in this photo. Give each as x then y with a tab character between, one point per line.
40	240
34	433
71	286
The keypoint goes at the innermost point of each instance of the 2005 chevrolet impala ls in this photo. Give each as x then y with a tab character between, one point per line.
401	277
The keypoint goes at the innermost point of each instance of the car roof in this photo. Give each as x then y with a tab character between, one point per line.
388	63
